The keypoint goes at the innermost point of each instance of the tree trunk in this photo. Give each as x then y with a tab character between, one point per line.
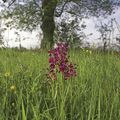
48	24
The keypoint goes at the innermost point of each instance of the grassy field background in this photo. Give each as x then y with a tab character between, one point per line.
25	93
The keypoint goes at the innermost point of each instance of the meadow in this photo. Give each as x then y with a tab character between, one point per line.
26	94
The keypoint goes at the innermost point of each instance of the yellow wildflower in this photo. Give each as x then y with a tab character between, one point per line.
13	88
7	74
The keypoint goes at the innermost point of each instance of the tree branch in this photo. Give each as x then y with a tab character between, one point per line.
13	1
36	4
59	14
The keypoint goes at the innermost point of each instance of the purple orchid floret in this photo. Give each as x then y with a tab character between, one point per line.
58	62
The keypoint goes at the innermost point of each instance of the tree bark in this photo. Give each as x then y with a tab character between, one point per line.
48	23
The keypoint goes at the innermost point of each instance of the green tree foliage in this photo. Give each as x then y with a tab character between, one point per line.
41	12
71	32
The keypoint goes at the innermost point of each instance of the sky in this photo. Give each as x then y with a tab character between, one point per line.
32	39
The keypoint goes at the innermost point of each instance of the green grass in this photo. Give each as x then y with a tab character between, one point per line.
25	93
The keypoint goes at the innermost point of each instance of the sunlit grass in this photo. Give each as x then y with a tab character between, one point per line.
25	93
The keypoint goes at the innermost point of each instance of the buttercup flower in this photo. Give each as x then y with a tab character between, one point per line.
7	74
13	88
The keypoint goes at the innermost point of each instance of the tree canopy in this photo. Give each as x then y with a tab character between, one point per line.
29	14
